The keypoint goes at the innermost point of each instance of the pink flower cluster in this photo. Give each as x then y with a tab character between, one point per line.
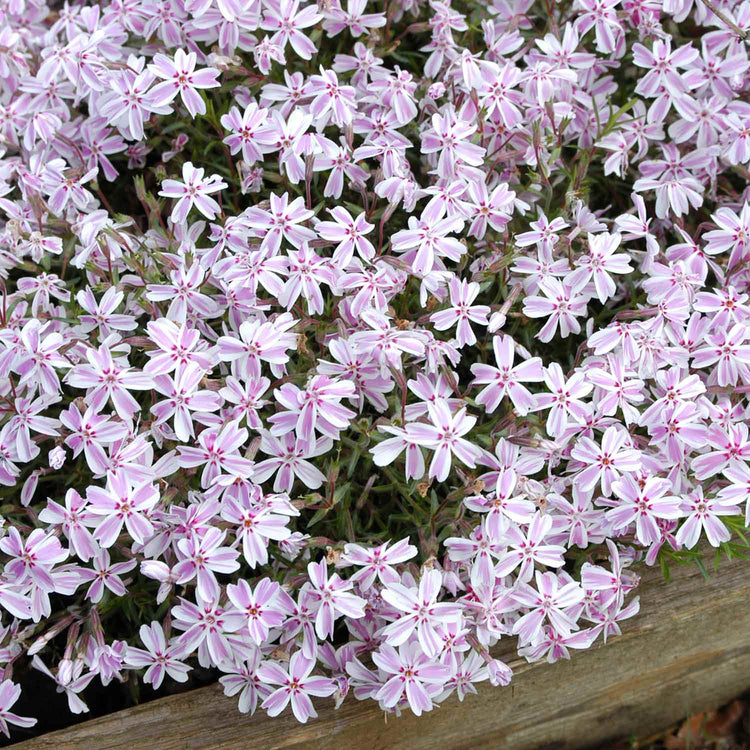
268	264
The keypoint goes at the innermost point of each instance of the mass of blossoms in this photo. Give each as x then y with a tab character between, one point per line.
340	342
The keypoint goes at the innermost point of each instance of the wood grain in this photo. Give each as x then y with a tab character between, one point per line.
688	651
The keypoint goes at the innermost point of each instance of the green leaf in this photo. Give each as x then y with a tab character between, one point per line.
341	492
319	515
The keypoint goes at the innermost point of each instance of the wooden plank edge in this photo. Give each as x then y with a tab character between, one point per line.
688	650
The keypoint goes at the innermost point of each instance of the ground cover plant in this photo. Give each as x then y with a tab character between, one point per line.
340	341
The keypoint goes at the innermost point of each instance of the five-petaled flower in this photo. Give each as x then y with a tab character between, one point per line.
194	190
505	379
160	658
296	686
181	77
421	612
416	677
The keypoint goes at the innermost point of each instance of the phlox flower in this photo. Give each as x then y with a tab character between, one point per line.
615	389
194	190
377	562
471	668
265	52
182	398
307	271
544	234
396	91
296	686
611	585
286	19
600	261
259	341
334	597
480	551
244	679
602	17
553	646
178	347
160	657
108	379
450	138
288	461
69	679
316	408
505	504
541	78
282	220
633	227
732	449
102	314
680	427
9	694
461	311
643	505
419	611
738	473
184	293
549	601
38	357
663	64
445	436
492	210
128	102
256	525
121	503
332	100
506	379
33	558
702	119
388	450
63	185
349	233
28	417
45	286
579	519
88	432
677	194
105	575
247	131
608	618
181	77
246	398
416	677
203	557
729	352
704	515
423	242
562	303
564	399
604	463
528	548
266	606
75	520
672	389
733	233
218	452
206	626
354	18
736	149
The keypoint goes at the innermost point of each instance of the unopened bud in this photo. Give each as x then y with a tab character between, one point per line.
57	457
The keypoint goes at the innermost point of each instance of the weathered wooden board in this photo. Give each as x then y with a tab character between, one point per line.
689	650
